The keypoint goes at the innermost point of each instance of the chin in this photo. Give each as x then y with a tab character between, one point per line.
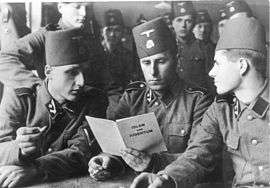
156	87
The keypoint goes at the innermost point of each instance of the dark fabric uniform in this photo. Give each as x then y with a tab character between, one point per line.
178	112
243	129
195	60
28	54
122	70
67	144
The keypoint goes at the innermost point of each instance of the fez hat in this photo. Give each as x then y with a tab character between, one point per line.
183	8
202	16
237	6
243	33
113	17
153	37
222	14
66	47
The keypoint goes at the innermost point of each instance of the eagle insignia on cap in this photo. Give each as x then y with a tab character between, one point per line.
182	10
181	4
232	9
150	44
147	33
112	20
223	14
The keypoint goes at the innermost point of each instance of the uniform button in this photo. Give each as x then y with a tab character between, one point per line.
141	85
156	103
254	142
50	150
234	99
260	168
183	132
250	117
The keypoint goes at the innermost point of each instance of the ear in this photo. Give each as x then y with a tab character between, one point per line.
244	66
48	71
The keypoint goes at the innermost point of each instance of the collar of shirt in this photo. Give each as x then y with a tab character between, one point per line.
165	97
259	105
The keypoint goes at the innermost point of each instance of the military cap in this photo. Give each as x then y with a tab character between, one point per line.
153	37
202	16
243	33
65	47
237	6
222	14
183	8
113	17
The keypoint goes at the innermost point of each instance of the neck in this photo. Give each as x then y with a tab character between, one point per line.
54	94
184	39
250	89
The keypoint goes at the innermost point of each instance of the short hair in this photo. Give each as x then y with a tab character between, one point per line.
257	59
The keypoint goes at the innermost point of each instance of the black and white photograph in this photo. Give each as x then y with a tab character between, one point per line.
134	94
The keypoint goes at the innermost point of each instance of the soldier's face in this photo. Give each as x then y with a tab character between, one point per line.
159	70
183	25
65	83
221	25
73	14
112	34
226	74
202	31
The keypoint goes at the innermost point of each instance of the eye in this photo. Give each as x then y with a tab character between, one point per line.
145	62
161	61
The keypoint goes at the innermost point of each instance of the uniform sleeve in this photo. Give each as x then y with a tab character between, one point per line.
17	62
11	119
200	157
123	108
70	161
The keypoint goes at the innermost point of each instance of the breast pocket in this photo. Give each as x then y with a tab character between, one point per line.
178	136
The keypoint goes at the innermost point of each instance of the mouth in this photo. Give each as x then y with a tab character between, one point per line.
75	91
82	20
156	81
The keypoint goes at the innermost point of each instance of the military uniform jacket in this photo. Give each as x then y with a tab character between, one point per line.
67	143
195	59
178	113
243	129
29	54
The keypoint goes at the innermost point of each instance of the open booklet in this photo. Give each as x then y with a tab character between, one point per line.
139	132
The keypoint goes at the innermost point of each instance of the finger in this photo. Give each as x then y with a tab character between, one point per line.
157	183
133	152
29	137
3	177
14	183
106	162
26	144
29	150
96	163
27	130
9	179
140	181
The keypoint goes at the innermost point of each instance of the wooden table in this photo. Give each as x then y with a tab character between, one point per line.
87	182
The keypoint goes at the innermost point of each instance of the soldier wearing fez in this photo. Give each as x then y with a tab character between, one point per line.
118	59
237	119
28	54
43	132
194	60
177	105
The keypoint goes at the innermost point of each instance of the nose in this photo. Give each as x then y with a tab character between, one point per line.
80	79
82	11
153	69
202	29
212	72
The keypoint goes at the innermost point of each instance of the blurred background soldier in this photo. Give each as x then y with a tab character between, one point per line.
118	60
194	61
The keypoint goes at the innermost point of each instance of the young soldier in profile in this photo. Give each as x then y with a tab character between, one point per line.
43	132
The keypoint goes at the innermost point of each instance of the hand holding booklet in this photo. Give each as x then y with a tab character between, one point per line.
139	132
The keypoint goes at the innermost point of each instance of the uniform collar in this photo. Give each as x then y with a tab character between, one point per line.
260	104
53	107
168	96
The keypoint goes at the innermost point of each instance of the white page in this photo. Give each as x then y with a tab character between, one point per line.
107	135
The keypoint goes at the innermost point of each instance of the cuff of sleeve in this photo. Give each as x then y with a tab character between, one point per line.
117	167
153	165
167	177
10	154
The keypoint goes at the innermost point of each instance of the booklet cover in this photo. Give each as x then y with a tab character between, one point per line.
139	132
